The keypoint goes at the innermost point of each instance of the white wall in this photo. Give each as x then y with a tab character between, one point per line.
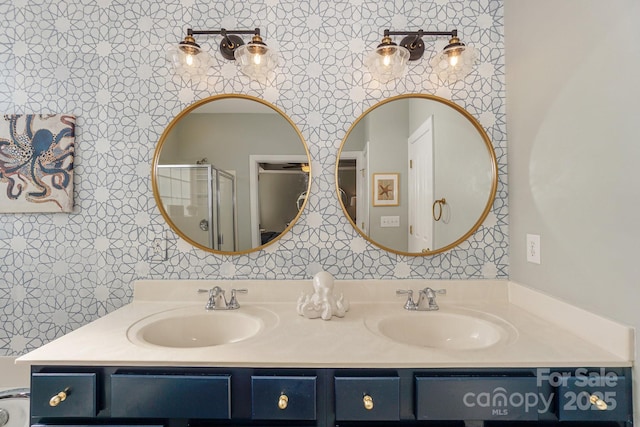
12	375
388	131
573	125
458	151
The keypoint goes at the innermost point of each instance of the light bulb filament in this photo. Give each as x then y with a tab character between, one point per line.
189	60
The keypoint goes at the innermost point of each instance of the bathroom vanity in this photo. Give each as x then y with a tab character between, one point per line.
151	395
481	359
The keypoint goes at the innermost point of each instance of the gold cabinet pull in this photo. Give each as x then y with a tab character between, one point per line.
368	402
283	402
599	403
59	398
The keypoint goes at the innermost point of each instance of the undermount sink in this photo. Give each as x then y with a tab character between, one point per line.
192	327
445	329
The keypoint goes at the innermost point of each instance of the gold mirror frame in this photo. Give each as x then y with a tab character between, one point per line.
156	159
488	146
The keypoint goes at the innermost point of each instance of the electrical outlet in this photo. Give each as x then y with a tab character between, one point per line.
533	248
158	249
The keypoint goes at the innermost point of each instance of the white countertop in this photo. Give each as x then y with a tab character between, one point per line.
550	333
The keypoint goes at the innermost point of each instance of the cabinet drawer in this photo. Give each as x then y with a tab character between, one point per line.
478	398
367	398
170	396
283	398
574	400
80	390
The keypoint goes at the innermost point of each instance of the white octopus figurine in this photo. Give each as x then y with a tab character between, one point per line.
322	303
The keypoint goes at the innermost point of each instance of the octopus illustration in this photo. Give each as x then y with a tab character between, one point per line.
37	161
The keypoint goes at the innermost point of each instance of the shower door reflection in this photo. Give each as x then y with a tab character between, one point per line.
200	200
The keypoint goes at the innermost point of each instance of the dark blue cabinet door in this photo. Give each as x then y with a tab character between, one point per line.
170	396
477	398
79	390
579	395
283	398
367	398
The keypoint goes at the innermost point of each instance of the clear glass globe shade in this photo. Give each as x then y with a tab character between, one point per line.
193	63
453	66
256	61
386	63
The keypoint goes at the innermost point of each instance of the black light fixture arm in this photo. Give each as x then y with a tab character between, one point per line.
420	33
413	40
222	32
230	39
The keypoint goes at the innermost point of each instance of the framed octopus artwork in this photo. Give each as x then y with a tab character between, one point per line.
385	189
36	163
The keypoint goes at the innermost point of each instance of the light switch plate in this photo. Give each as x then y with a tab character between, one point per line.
533	248
390	221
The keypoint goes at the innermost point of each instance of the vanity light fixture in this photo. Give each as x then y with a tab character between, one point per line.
255	58
389	60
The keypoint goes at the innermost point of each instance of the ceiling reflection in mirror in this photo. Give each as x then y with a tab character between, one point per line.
416	174
231	174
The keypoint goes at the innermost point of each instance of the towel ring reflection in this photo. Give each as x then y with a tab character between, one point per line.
439	203
300	200
343	196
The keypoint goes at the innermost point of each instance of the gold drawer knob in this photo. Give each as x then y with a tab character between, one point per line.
599	403
283	401
368	402
58	398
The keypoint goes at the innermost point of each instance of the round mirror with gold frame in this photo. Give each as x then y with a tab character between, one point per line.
416	174
231	174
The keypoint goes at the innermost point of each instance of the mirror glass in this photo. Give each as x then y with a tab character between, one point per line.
231	174
416	174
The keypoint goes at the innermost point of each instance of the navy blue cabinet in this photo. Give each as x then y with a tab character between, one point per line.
472	397
278	397
171	396
328	397
63	394
594	395
367	398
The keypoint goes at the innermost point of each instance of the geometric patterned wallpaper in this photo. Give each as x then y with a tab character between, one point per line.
104	62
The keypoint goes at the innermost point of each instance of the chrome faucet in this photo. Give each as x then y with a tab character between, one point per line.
218	301
426	299
233	302
410	304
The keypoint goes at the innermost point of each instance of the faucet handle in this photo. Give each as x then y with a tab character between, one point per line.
429	290
216	300
428	295
233	302
210	304
213	291
410	304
